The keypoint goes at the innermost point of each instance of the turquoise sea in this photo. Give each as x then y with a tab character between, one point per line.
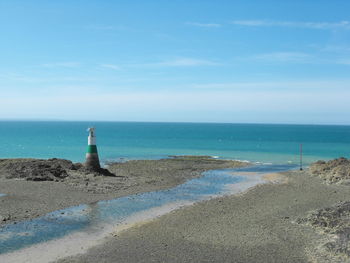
265	143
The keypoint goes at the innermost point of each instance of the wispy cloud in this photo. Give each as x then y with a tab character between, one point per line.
287	85
310	25
205	25
68	64
301	58
106	27
185	62
110	66
344	61
296	57
23	78
337	49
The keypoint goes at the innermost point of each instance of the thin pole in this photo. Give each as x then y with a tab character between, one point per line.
301	157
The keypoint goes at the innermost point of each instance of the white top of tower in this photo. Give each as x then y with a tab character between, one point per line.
91	131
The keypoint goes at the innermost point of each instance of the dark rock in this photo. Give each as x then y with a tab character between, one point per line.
44	170
35	170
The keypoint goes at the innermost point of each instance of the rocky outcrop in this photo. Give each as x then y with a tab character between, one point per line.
44	170
334	171
334	223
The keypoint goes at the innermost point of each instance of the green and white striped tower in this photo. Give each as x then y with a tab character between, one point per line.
92	161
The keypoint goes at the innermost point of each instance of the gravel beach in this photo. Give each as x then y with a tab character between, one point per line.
257	226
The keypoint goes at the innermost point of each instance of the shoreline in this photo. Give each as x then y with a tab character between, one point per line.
79	242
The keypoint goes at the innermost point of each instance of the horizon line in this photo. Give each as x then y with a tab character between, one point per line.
179	122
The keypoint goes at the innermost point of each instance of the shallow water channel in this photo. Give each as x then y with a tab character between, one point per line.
86	218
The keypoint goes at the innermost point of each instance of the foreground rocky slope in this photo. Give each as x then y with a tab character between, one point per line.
333	222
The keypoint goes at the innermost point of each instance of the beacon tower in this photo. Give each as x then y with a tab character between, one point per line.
92	161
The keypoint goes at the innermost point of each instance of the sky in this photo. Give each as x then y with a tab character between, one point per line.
256	61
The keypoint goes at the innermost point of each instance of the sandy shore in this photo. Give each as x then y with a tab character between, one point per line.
258	226
29	199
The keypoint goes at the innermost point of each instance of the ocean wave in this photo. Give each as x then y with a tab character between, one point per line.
242	161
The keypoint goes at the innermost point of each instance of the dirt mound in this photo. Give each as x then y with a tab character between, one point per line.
43	170
334	171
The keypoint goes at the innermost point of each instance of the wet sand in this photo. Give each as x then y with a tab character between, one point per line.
258	226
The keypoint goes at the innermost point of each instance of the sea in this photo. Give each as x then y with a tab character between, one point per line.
122	141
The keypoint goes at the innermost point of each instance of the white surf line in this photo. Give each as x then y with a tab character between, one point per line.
79	242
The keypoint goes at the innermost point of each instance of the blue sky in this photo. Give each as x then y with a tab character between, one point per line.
192	61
